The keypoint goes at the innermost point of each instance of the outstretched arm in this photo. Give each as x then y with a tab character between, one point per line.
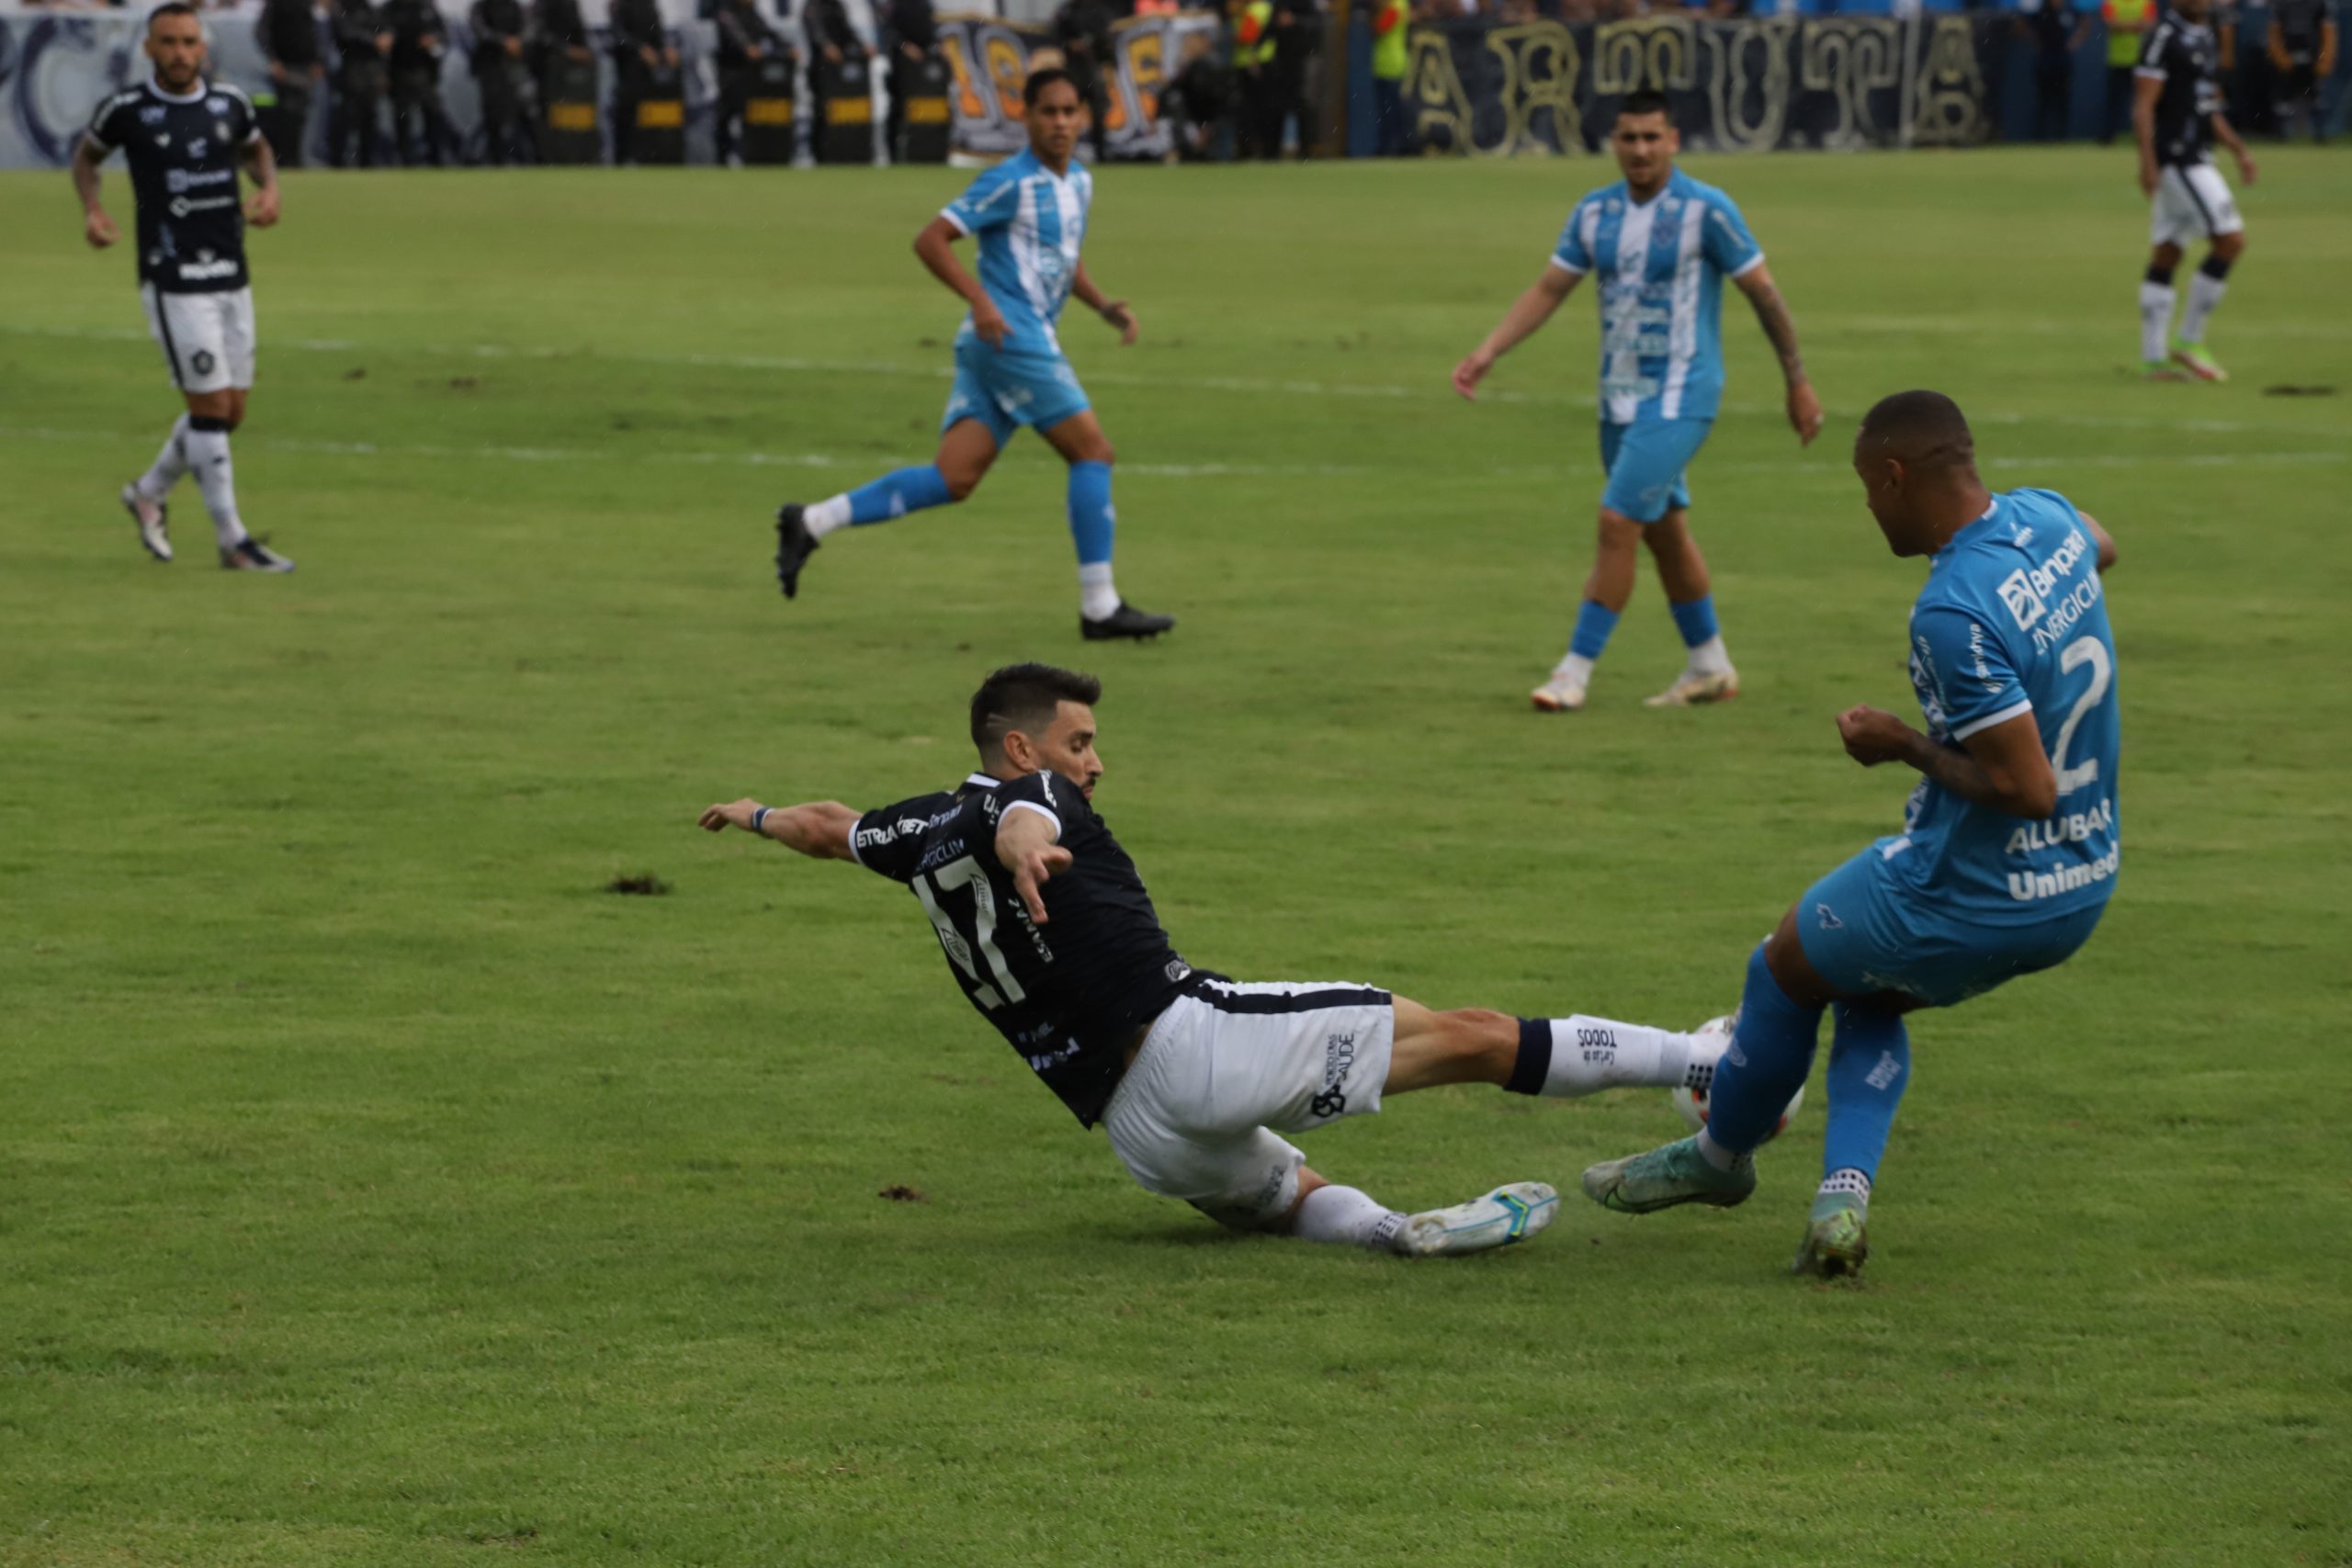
819	829
1527	312
1780	331
1115	311
936	245
2003	766
1028	845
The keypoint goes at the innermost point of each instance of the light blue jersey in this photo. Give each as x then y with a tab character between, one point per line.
2013	621
1031	222
1660	267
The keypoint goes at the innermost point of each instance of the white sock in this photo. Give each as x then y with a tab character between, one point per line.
2155	318
2204	293
169	465
1845	1178
1590	1055
1096	597
825	516
208	457
1349	1217
1713	1152
1710	657
1575	669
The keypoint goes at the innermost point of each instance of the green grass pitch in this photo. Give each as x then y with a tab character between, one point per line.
376	1188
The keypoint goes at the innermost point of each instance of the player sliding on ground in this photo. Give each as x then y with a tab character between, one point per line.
184	140
1049	930
2008	849
1662	243
1030	213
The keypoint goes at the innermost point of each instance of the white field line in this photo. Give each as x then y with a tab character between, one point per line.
791	365
1155	470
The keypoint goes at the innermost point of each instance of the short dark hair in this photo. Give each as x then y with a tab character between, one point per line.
172	9
1025	698
1924	429
1646	100
1035	88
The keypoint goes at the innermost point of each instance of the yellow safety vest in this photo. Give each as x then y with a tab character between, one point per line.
1253	42
1388	52
2122	16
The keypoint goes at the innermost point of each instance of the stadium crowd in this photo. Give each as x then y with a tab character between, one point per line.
555	85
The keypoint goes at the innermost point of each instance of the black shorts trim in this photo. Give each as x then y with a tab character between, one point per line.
171	349
1258	1003
2193	199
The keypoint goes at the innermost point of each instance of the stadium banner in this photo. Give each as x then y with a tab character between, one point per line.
991	57
1737	85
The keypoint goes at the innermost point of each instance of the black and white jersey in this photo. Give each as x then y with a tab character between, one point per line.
2183	57
1070	994
2302	25
183	155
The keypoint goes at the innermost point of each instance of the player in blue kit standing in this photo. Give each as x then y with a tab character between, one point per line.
1030	213
1661	244
2008	850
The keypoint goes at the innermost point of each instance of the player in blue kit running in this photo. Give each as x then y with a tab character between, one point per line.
1030	214
2008	850
1661	244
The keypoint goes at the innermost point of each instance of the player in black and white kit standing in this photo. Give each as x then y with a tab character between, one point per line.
184	140
1049	932
2178	116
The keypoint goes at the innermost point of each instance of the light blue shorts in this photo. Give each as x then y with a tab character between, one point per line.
1007	387
1645	460
1864	932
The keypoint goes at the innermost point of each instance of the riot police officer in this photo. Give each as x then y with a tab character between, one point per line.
641	46
416	80
363	42
288	35
744	39
497	27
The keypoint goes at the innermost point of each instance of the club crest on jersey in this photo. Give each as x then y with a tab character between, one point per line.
196	148
220	129
152	114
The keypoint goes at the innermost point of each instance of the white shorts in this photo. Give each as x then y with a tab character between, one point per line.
207	339
1226	1063
2192	203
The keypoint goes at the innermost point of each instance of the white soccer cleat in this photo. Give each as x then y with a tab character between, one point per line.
1692	690
155	528
1507	1215
1558	694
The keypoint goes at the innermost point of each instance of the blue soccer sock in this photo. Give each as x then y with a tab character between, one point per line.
1695	620
1092	522
1595	621
1870	1066
1772	1050
893	495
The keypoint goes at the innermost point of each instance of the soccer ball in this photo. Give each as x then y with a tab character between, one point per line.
1714	1035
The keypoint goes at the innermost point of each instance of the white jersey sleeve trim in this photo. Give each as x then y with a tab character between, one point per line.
957	223
1032	805
853	827
1569	268
2024	704
1751	264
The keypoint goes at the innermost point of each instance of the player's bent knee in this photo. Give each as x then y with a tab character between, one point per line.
960	485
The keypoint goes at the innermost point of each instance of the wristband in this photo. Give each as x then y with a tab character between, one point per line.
759	819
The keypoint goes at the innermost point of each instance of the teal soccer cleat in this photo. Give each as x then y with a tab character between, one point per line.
1671	1174
1837	1237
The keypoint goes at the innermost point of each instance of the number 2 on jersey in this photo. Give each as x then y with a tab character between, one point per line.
2082	651
975	954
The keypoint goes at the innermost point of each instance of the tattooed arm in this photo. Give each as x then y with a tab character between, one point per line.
1772	313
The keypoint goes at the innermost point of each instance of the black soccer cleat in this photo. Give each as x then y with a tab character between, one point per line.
1126	621
794	545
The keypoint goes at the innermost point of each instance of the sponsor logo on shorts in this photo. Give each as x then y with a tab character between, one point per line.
1829	917
202	361
1338	1056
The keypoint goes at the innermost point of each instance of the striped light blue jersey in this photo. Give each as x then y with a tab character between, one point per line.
1031	222
1660	266
2013	621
